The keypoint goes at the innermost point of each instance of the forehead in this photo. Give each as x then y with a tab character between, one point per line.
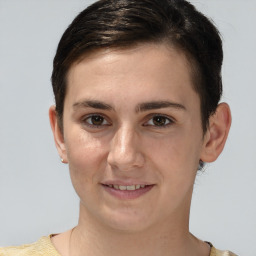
150	55
151	69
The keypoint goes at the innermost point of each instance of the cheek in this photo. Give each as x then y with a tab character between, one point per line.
177	155
86	156
178	149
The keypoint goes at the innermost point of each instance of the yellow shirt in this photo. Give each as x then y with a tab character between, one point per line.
45	247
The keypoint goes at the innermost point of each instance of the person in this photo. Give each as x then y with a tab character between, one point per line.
137	85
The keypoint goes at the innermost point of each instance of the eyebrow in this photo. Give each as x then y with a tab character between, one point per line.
139	108
157	105
92	104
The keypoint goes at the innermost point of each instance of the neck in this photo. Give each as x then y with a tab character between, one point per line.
92	238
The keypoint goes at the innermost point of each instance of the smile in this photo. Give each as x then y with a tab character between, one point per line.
121	187
131	191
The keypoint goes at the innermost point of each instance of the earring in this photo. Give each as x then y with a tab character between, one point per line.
63	161
201	165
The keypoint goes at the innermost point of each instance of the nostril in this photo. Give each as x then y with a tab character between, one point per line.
126	162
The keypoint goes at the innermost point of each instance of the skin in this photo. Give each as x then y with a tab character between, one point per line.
137	143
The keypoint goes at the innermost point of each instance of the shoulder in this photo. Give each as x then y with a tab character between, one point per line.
42	247
216	252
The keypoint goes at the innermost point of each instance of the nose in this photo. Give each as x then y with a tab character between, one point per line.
125	150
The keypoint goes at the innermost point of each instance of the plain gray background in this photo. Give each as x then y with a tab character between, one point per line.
36	196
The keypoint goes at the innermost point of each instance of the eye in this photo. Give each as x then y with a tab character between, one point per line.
159	121
95	121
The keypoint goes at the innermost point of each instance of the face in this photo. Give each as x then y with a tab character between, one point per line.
132	136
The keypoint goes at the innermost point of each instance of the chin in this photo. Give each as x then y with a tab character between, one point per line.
127	222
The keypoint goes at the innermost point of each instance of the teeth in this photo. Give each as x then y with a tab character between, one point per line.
122	187
131	187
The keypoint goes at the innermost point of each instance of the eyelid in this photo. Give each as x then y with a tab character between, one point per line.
85	117
151	116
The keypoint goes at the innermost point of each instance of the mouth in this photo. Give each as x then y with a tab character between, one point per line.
131	191
130	187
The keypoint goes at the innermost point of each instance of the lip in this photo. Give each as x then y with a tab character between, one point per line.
126	182
126	194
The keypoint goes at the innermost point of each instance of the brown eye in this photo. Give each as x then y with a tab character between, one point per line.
96	120
159	121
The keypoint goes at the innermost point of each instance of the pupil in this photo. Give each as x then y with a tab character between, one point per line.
97	120
159	120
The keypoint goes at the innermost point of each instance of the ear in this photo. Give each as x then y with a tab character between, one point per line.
57	134
217	133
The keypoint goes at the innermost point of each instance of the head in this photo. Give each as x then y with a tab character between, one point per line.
137	86
122	24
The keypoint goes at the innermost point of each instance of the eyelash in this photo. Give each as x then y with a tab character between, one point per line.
166	118
150	120
86	118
